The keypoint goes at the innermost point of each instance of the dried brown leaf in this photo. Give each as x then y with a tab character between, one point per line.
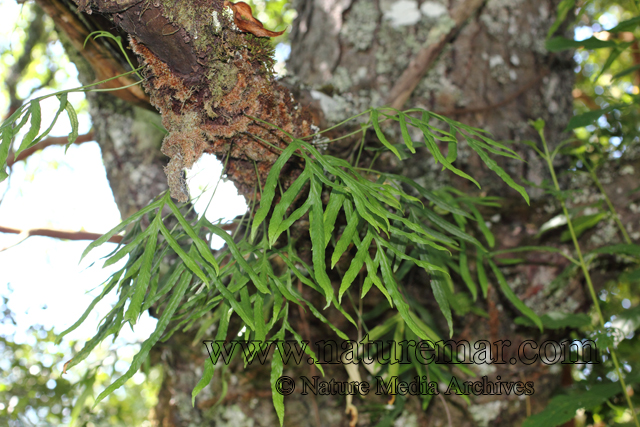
245	21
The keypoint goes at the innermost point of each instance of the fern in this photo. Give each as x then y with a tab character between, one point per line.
391	229
31	111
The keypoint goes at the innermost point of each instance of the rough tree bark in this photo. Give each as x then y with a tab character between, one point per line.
481	62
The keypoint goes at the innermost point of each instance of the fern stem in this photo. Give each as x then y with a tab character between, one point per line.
587	276
616	218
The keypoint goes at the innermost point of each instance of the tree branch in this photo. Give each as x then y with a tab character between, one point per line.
419	65
54	140
104	61
58	234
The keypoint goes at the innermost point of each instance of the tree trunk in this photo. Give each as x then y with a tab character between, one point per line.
482	63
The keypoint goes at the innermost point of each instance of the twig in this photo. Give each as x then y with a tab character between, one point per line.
419	65
54	140
58	234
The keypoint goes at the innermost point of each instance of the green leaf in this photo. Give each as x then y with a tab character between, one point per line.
239	258
563	408
429	195
324	320
538	124
288	222
36	119
399	241
103	331
429	267
381	330
165	285
622	249
188	260
270	186
108	288
243	309
466	273
331	213
277	368
381	137
488	235
132	245
372	275
306	348
564	7
628	25
209	367
202	247
398	334
585	119
347	235
279	211
626	72
491	164
163	321
405	133
440	292
371	211
452	152
398	299
582	224
433	148
316	230
557	44
133	218
613	55
356	264
10	122
258	318
511	296
4	152
144	276
366	286
63	104
287	290
558	320
415	238
448	227
73	119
